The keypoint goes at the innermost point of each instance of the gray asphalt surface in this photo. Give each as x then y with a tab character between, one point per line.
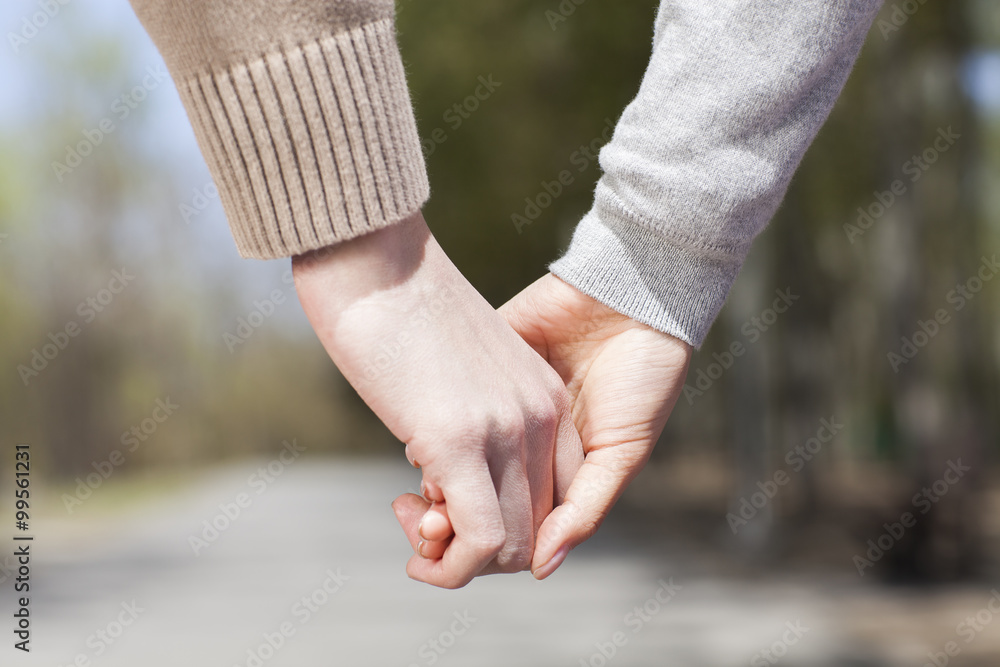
314	567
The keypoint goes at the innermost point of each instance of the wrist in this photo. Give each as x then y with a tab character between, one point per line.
347	272
361	290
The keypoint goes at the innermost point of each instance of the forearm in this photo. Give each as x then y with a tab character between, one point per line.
356	269
701	159
302	113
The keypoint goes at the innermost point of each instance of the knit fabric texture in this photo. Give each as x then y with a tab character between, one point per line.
302	112
699	162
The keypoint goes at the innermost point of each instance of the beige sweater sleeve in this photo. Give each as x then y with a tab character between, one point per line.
302	112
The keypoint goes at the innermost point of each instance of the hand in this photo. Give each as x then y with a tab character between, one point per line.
624	378
483	415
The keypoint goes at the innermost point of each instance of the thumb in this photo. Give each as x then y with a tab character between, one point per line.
522	316
598	484
410	509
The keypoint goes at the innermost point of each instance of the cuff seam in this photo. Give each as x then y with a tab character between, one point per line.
311	145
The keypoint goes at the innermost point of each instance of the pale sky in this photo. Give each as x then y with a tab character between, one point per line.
163	131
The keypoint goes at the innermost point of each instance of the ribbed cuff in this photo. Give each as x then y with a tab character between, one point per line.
313	145
674	287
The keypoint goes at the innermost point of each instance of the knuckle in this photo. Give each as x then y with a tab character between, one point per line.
489	545
515	559
508	423
547	417
589	526
474	426
440	436
543	406
557	390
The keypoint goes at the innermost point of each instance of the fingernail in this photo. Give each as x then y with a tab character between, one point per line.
420	528
420	548
423	490
553	563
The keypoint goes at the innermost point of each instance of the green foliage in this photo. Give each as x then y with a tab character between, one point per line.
551	85
559	85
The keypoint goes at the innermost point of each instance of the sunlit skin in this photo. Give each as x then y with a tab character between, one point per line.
624	379
489	422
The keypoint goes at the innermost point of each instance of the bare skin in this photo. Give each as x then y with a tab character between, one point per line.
482	414
624	379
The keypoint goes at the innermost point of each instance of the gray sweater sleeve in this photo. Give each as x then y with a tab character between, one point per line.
699	162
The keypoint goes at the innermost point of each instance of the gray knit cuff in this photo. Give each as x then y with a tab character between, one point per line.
312	145
674	287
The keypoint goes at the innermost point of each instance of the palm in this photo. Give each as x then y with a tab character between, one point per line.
624	378
619	372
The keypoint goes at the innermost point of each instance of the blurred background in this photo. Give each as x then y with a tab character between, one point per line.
832	464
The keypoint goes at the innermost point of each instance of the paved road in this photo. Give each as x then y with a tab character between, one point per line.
128	591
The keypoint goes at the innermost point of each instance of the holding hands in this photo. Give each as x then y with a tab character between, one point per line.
623	378
527	424
485	418
526	430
